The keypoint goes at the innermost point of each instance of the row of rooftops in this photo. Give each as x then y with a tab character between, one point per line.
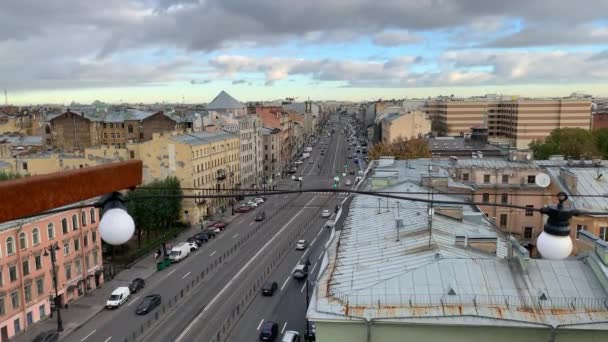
404	263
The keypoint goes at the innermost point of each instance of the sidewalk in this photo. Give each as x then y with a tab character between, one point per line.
85	308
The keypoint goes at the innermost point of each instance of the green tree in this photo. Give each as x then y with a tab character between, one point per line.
401	149
7	175
570	142
155	207
601	141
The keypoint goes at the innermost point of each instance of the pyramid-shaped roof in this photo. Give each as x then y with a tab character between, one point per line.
224	101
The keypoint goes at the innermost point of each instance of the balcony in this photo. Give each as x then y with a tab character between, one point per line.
221	175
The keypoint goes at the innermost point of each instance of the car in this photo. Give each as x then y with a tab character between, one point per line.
348	182
322	153
301	245
258	200
325	213
243	209
300	271
252	204
261	216
148	304
47	336
269	288
298	162
136	285
193	246
356	161
292	170
311	161
202	237
310	334
291	336
348	148
211	232
118	297
198	242
218	224
269	331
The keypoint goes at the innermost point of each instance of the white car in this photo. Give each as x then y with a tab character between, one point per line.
118	297
193	246
258	200
291	336
301	245
325	213
298	162
252	204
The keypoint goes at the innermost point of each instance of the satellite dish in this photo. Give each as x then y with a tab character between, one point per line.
543	180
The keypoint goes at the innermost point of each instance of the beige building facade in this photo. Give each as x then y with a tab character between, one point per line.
404	124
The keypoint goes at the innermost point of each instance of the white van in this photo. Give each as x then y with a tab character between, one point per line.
179	251
118	296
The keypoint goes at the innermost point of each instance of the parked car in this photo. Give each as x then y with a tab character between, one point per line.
310	334
292	170
301	245
252	204
211	232
118	297
218	224
351	172
197	241
311	161
300	272
298	162
179	252
348	182
259	200
193	246
269	331
325	213
269	288
136	285
147	304
261	216
242	209
291	336
202	237
48	336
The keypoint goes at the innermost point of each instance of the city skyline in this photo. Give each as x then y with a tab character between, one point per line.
182	50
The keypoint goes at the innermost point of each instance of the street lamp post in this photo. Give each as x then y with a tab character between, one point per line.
51	250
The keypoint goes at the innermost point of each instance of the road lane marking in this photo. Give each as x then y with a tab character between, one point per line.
313	267
285	283
303	287
238	274
109	338
133	301
187	274
170	273
320	256
320	231
235	235
213	253
284	326
313	241
91	333
259	325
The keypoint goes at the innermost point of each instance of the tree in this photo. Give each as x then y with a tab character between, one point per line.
155	207
7	175
570	142
401	149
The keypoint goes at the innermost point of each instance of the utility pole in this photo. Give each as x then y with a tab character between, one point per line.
51	250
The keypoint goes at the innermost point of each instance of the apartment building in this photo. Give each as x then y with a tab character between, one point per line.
26	284
276	117
271	140
251	145
511	121
208	161
401	123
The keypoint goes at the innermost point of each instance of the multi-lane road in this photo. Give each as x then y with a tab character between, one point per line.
252	253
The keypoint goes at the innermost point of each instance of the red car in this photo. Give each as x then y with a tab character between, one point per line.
244	209
218	224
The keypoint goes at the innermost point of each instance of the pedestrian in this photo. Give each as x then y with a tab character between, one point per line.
157	254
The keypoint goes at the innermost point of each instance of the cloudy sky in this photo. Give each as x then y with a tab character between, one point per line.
59	51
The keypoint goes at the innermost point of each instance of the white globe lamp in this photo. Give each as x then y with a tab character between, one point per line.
116	226
554	247
554	242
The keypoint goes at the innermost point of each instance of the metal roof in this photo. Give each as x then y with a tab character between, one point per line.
201	138
22	140
224	101
589	181
495	164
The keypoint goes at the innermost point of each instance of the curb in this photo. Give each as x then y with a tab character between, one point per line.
67	332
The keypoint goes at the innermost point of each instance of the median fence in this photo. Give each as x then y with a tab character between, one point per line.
169	304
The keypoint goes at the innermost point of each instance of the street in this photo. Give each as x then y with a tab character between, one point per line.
214	294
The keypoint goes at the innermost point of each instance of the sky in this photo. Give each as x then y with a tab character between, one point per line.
151	51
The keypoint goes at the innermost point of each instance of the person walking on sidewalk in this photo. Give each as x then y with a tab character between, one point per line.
157	254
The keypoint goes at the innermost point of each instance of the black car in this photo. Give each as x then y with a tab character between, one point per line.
292	170
269	331
136	285
260	216
147	304
210	232
351	172
197	241
202	237
269	288
48	336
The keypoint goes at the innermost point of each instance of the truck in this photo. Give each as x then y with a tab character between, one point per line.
179	252
308	149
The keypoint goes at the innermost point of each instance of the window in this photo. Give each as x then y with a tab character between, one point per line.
12	273
76	244
604	233
111	125
35	236
141	135
22	240
486	179
505	179
130	128
117	135
27	291
78	267
531	179
94	236
15	299
64	226
87	261
504	198
529	210
40	286
74	222
2	307
527	232
105	135
16	324
26	267
68	272
42	311
503	220
92	214
132	154
112	135
465	177
10	245
50	231
580	227
83	218
38	262
24	165
66	248
485	197
95	256
85	240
